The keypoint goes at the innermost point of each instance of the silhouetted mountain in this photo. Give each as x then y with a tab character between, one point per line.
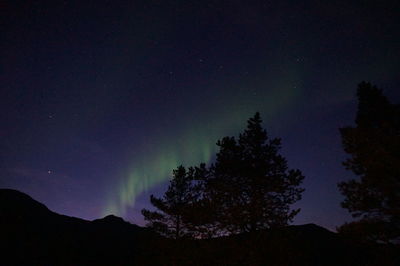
31	234
15	204
111	219
114	222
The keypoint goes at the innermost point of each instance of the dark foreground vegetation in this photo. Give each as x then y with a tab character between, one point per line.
31	234
249	188
235	211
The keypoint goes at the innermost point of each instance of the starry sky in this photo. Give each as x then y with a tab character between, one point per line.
101	100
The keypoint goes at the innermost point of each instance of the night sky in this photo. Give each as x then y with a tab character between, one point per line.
101	100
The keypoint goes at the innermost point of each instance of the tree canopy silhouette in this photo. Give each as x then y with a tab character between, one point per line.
374	149
173	207
250	186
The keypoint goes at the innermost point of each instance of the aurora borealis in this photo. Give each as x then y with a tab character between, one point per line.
191	147
101	100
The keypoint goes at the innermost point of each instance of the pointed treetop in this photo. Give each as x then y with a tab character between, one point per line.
254	130
373	106
256	119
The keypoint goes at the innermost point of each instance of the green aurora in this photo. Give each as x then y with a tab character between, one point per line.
194	145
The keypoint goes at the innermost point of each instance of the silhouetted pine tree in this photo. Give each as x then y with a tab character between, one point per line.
250	186
374	149
200	213
169	220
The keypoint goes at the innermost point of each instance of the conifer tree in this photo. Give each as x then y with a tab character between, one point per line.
172	209
250	186
374	149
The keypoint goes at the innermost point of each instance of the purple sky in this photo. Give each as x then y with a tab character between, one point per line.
101	100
